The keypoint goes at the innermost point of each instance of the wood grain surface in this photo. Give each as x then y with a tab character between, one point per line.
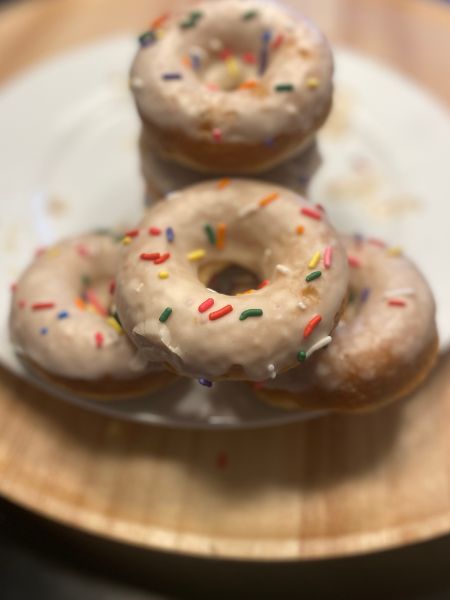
338	485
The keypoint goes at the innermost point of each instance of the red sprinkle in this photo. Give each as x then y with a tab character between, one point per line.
132	234
249	58
149	255
310	212
99	339
112	287
258	385
204	306
222	460
217	134
42	305
311	325
353	261
225	53
93	299
263	283
277	41
396	302
154	231
162	258
217	314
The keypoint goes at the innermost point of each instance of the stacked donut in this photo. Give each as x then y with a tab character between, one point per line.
230	278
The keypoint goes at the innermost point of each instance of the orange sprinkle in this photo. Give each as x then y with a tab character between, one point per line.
159	21
300	229
186	61
80	303
250	84
220	235
269	199
223	183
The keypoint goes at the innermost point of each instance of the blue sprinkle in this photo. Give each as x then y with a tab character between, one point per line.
172	76
358	237
266	36
63	314
365	292
195	61
43	330
147	39
205	382
170	234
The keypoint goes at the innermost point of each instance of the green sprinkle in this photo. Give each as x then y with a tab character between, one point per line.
284	87
251	14
210	233
301	356
250	312
165	314
191	21
86	280
313	275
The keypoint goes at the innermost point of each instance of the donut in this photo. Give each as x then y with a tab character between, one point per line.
163	177
63	327
232	87
384	346
162	293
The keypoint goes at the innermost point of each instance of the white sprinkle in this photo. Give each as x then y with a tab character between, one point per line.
318	345
247	210
302	305
272	371
399	292
283	269
136	83
140	286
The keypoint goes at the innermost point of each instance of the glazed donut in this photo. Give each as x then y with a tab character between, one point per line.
384	346
163	177
62	326
166	308
232	87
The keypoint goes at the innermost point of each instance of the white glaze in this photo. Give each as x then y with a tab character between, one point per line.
247	116
68	348
191	343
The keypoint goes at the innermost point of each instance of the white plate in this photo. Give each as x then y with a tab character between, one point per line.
69	162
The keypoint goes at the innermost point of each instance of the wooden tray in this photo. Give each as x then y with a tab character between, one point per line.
335	486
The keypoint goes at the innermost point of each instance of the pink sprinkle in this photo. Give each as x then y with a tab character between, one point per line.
213	87
99	339
154	231
42	305
396	302
353	261
310	212
13	288
222	460
217	134
21	304
376	242
277	41
82	250
39	251
161	259
204	306
327	256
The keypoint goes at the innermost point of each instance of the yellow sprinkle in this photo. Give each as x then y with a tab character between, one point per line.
269	199
114	324
300	229
314	260
220	235
395	251
196	254
223	183
163	274
160	33
53	252
250	291
126	240
232	66
312	83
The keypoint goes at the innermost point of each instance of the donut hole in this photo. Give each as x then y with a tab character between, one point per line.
96	294
229	279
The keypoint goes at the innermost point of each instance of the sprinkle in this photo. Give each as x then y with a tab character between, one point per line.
63	314
327	257
205	305
396	302
277	42
225	54
221	232
194	60
319	345
249	58
217	134
170	235
263	283
82	250
165	314
312	83
149	255
13	288
86	280
250	14
114	323
126	240
99	339
171	76
232	66
313	275
205	382
310	212
223	183
272	371
250	312
196	254
42	305
162	258
112	287
302	305
163	274
376	242
269	199
156	23
314	260
301	356
249	84
358	237
191	21
311	325
365	293
43	330
263	54
210	233
80	303
154	231
212	87
266	36
283	269
217	314
284	87
395	251
300	229
353	261
133	233
93	299
146	39
399	292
